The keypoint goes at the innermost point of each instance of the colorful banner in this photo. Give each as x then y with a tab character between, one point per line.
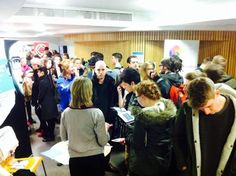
38	47
187	50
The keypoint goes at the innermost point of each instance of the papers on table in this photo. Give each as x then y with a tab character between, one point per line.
59	152
8	142
19	164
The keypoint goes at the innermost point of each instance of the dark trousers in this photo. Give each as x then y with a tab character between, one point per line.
28	110
87	166
48	127
38	113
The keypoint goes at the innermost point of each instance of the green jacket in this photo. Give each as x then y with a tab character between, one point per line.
150	142
187	140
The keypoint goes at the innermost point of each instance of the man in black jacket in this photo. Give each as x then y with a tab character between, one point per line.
104	90
205	130
104	97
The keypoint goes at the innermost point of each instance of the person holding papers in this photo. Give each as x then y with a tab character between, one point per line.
85	129
150	142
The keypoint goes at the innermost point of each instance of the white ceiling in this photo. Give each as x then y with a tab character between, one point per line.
43	18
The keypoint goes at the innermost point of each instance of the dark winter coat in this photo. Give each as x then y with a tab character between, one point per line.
46	99
35	89
105	96
167	80
185	144
150	143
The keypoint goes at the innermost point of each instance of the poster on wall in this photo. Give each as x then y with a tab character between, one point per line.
38	47
7	89
139	55
187	50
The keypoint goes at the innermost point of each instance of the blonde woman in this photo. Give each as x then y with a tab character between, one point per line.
146	69
85	129
64	82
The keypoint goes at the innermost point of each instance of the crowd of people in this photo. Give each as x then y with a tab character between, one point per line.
195	138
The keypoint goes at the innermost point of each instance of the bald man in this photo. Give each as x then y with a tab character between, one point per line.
104	90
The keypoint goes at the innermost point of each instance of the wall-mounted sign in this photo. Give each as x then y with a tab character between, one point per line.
187	50
38	47
139	55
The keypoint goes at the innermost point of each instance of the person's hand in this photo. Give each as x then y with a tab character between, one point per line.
184	168
108	126
119	90
54	77
122	141
153	74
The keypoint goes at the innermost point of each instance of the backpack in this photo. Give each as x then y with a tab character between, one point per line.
177	95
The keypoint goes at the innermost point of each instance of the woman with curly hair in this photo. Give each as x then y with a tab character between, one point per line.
150	141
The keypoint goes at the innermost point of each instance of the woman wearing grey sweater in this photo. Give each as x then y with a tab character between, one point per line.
85	129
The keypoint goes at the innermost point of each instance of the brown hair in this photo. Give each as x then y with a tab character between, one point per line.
194	74
214	72
200	90
149	89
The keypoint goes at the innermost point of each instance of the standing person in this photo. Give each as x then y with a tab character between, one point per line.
206	61
47	103
64	82
147	69
57	60
84	126
79	67
105	93
225	77
128	79
169	75
36	63
104	97
27	89
116	59
150	146
205	130
133	62
89	72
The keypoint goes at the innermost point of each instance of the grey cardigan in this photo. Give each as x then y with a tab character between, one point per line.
85	131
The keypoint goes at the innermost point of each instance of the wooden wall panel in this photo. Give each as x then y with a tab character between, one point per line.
211	43
232	62
212	48
83	49
154	51
209	49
